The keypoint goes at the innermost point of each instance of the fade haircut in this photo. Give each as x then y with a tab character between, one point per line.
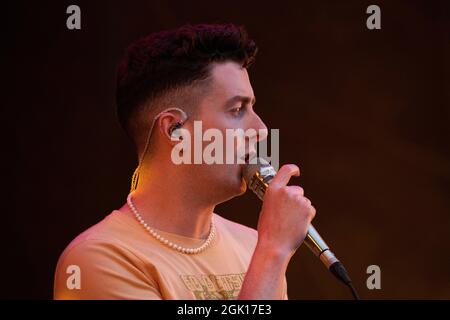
171	69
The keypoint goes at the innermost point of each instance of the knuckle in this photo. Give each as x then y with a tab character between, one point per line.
299	190
284	191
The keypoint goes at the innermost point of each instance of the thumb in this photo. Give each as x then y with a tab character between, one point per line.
285	173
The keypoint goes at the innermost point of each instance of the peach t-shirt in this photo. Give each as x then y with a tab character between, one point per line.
118	259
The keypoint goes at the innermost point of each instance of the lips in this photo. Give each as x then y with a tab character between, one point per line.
249	156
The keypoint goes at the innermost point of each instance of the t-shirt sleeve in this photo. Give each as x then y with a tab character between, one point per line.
95	269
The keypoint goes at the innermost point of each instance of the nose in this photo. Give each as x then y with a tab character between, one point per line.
260	127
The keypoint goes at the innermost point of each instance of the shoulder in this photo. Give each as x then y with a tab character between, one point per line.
115	228
105	241
105	265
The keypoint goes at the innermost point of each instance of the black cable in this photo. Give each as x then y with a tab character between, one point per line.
354	292
339	272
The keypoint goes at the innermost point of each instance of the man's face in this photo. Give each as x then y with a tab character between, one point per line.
228	104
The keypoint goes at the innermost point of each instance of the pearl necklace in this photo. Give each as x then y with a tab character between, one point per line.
165	241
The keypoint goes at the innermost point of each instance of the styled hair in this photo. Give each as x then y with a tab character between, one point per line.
167	61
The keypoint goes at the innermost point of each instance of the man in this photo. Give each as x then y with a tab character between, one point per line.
166	242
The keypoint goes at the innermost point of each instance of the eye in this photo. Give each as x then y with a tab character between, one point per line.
239	111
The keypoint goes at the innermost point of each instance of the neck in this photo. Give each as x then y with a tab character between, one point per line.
170	202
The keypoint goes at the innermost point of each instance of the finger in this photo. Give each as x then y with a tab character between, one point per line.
307	201
285	173
297	190
313	212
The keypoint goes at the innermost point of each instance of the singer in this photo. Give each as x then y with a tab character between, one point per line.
166	242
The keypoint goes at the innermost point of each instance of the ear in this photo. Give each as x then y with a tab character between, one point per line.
167	123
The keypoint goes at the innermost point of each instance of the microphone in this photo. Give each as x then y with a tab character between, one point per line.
258	176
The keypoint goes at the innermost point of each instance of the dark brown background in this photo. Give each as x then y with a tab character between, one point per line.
364	113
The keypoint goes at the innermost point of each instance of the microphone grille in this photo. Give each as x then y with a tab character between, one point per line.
261	165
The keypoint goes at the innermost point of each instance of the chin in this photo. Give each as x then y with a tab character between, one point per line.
233	185
234	190
225	182
239	185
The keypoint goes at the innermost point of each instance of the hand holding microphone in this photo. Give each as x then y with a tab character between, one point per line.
286	215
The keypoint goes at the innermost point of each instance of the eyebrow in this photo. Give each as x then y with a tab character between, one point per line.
238	98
